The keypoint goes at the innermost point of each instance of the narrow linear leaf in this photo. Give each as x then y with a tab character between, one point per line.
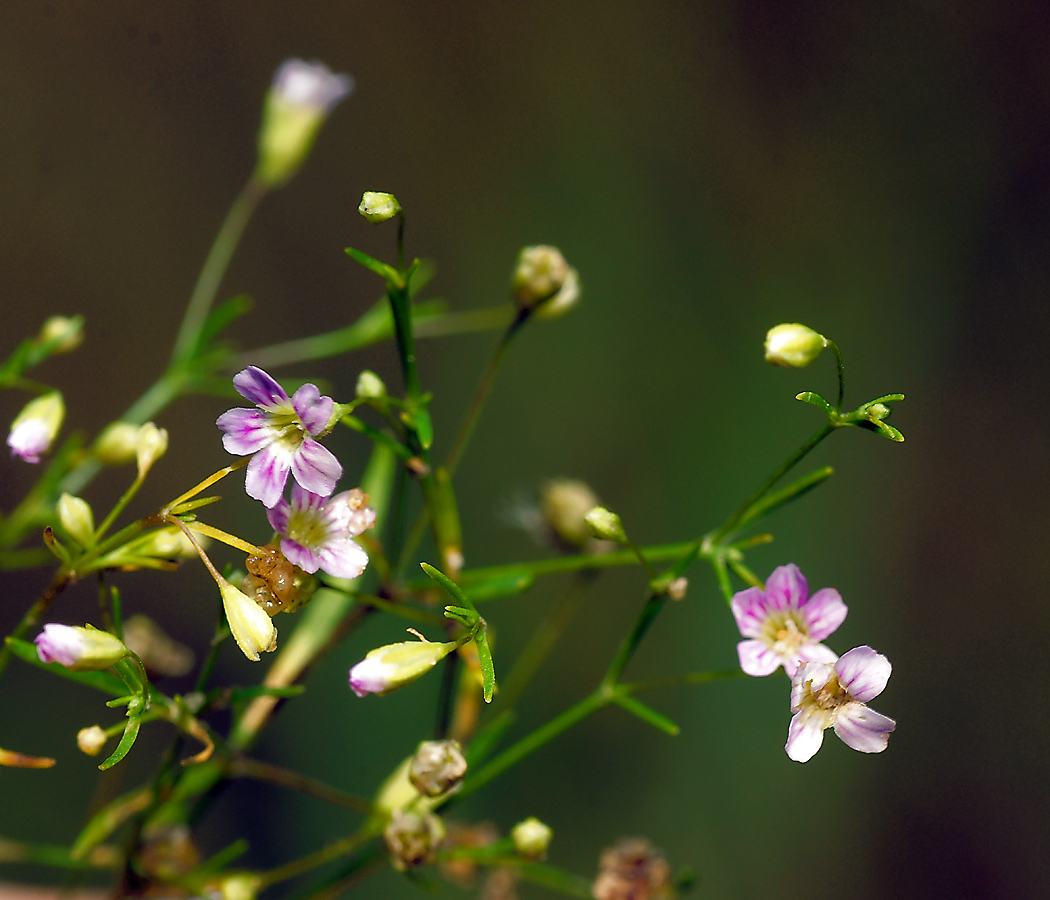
109	819
370	262
488	671
127	741
502	586
447	584
785	495
647	714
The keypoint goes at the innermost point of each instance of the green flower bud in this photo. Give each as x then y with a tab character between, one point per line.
606	525
566	298
437	767
539	274
151	445
118	443
793	345
370	385
66	334
251	627
387	668
91	740
532	838
77	519
378	207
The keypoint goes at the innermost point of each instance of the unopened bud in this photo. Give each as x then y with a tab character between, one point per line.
240	886
64	334
387	668
91	740
251	627
564	502
300	99
118	443
412	839
793	345
151	445
606	525
379	207
370	386
539	274
532	838
77	519
437	767
36	426
566	298
677	588
79	649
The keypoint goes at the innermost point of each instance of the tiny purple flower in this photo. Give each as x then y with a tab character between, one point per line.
280	435
319	531
824	696
785	625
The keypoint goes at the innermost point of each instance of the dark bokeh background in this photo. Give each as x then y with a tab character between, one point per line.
879	172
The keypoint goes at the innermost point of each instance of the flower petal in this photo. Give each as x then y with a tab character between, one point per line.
817	653
313	410
256	385
757	659
266	474
298	555
805	735
824	612
343	559
786	588
863	673
316	468
278	515
750	610
247	431
863	729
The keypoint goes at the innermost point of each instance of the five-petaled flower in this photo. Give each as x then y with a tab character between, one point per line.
318	532
824	696
280	434
784	624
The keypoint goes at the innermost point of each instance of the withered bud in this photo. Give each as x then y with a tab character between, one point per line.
437	767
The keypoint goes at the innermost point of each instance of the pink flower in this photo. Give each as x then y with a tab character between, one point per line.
319	531
824	696
80	649
785	625
280	435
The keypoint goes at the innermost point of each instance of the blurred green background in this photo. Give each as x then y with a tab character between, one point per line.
878	172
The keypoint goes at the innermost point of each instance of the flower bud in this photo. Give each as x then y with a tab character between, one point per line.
36	426
413	839
564	502
379	207
437	767
63	333
539	274
300	99
566	298
117	444
79	649
793	345
240	886
77	519
251	627
387	668
91	740
168	543
632	868
370	386
151	445
606	525
532	838
677	588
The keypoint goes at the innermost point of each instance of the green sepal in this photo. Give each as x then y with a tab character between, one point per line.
816	400
109	819
194	504
387	273
647	714
127	741
100	681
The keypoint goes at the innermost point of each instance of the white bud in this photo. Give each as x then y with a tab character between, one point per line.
539	275
251	627
387	668
378	207
79	649
117	444
793	345
370	385
91	740
532	838
151	445
437	767
68	334
36	426
77	519
606	525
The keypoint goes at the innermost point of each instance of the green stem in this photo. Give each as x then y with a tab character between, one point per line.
215	265
649	612
325	855
840	369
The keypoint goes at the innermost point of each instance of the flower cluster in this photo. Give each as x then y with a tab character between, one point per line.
784	627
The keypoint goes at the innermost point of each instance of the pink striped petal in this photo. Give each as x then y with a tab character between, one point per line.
786	588
247	431
267	473
258	386
805	735
863	673
824	612
757	659
316	468
864	729
750	610
343	559
313	410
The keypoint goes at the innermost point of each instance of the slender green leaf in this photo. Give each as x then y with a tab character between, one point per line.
223	314
647	714
127	741
387	273
785	495
502	586
110	818
488	670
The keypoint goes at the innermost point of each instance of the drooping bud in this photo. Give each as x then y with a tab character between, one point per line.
370	386
387	668
77	519
300	99
64	334
117	444
91	740
151	445
412	839
79	649
793	345
35	427
251	627
539	274
606	525
437	767
378	206
532	838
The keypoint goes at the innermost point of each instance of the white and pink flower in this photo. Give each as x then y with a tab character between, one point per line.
80	649
281	436
318	531
784	624
836	696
